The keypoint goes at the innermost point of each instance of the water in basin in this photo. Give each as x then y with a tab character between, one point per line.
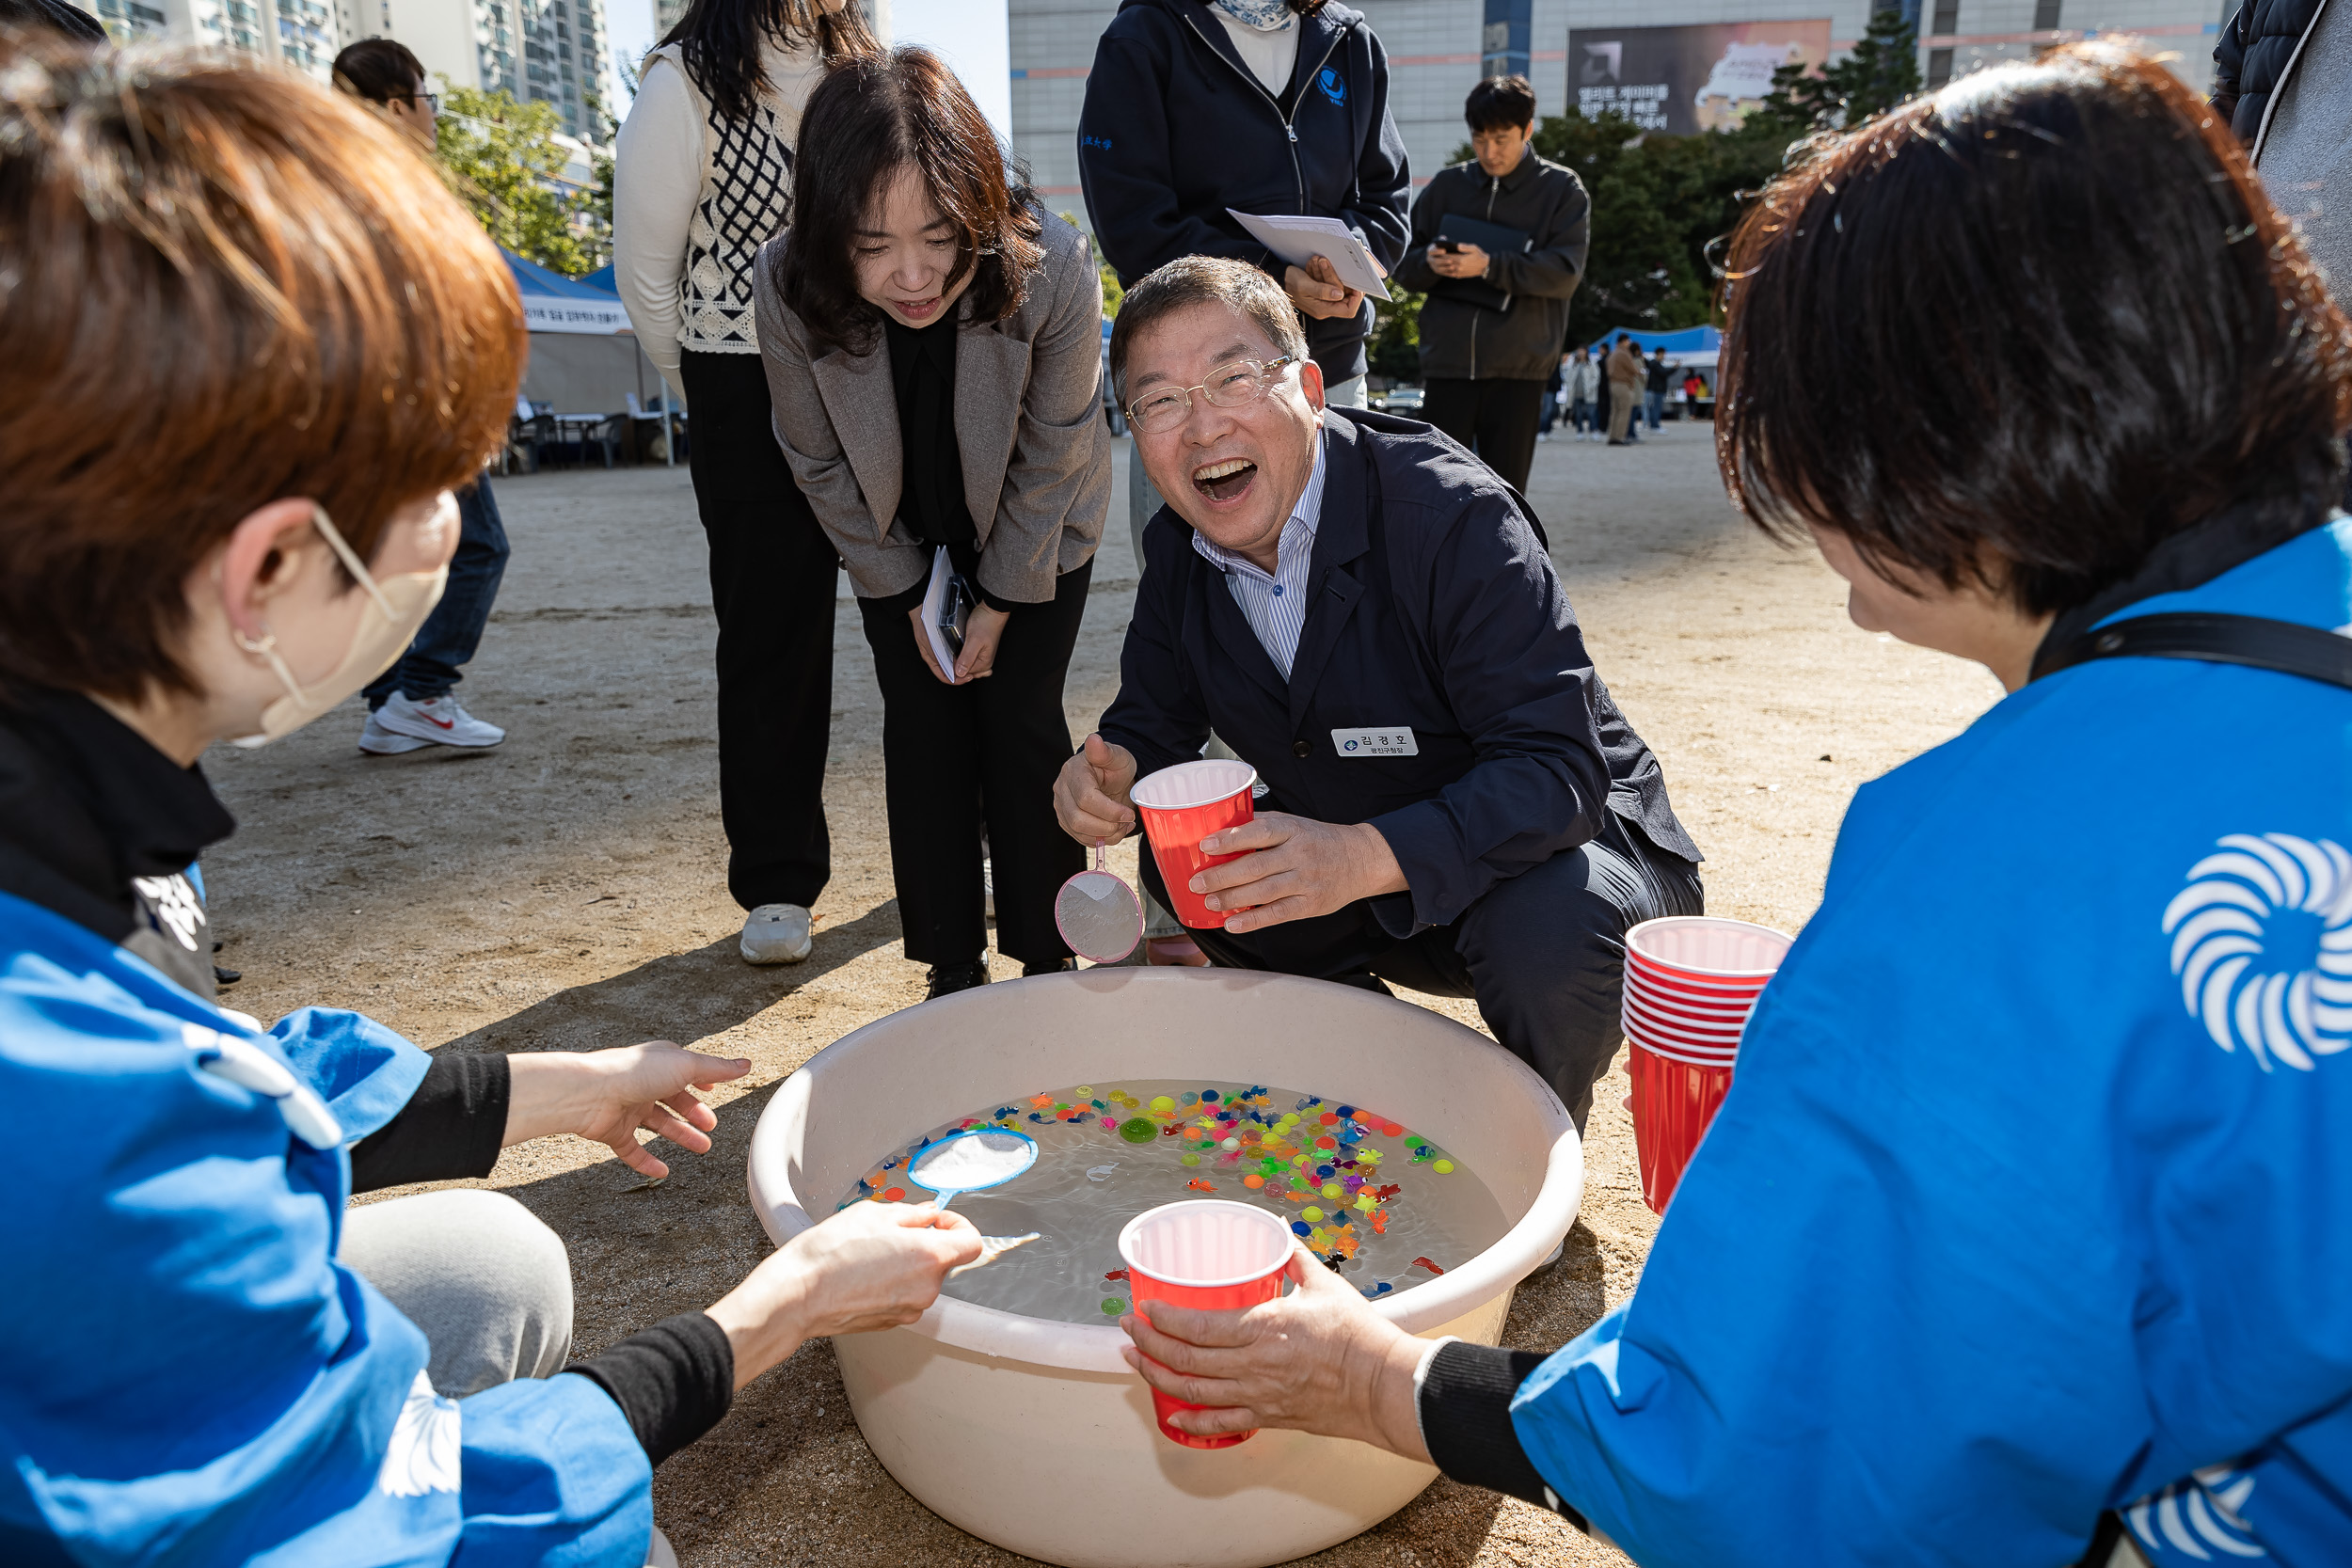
1380	1204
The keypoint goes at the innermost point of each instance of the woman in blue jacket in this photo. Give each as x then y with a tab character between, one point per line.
2020	1238
270	343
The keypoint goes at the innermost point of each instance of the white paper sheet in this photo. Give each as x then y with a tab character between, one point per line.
933	597
1300	240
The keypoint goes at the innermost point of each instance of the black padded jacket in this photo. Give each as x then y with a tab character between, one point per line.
2257	50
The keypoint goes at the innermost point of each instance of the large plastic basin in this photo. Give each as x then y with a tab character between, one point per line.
1033	1435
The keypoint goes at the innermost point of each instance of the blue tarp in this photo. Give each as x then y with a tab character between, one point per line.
554	303
1689	340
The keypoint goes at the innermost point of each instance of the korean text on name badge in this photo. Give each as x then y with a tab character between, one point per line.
1397	742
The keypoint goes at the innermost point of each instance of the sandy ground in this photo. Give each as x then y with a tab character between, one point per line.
566	891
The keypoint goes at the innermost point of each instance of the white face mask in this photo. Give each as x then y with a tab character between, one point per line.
387	624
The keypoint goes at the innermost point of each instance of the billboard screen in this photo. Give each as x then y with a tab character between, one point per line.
1687	79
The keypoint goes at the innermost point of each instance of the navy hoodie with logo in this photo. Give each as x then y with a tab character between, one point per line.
1176	130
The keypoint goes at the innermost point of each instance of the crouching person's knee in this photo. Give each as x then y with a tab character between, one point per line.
488	1283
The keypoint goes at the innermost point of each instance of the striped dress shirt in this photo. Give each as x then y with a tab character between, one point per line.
1276	606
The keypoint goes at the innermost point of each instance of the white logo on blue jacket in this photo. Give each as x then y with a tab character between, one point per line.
424	1454
2197	1519
2262	940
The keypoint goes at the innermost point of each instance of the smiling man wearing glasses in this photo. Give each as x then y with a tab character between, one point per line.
1369	618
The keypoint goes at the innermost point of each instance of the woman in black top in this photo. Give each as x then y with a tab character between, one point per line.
932	343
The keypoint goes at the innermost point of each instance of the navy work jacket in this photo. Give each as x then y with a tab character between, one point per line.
1176	130
1432	607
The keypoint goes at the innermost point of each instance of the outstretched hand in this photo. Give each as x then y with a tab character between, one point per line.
872	1265
606	1096
1319	1360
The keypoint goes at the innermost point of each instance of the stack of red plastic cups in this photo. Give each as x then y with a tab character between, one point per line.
1689	983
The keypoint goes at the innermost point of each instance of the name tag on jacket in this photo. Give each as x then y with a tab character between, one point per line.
1374	743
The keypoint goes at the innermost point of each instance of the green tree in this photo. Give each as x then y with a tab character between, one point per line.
1881	70
1395	351
503	160
1662	204
1638	269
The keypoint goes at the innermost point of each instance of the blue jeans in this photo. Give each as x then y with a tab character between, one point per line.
451	633
1656	404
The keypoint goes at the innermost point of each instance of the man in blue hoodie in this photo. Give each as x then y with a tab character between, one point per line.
1264	107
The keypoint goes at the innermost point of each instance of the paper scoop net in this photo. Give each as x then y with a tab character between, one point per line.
1098	914
972	1162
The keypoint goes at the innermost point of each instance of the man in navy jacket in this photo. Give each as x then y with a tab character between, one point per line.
1177	127
1367	616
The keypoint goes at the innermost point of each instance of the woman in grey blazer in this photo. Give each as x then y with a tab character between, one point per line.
932	344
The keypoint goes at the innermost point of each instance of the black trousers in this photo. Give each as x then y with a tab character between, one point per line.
1542	953
1494	419
955	758
773	581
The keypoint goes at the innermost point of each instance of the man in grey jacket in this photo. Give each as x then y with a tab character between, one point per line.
1498	277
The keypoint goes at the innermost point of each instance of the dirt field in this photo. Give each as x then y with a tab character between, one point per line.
566	891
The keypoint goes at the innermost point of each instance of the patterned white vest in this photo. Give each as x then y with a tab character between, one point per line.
746	198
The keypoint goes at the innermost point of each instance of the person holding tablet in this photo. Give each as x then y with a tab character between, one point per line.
1499	247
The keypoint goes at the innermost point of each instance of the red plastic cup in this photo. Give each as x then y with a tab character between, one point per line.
1682	1049
1180	806
1673	1102
1707	949
1703	1016
1208	1254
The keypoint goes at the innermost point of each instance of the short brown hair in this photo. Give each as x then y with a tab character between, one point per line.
2047	314
1191	280
872	116
231	287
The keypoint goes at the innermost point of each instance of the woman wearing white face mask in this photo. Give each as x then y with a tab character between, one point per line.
933	342
203	1357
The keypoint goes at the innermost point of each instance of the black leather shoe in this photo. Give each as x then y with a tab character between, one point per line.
1059	967
947	980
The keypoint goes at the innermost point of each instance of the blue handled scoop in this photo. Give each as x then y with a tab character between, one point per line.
972	1162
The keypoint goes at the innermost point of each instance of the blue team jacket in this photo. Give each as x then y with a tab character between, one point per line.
2033	1196
186	1375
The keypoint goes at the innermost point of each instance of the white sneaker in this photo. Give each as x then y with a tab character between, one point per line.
438	720
377	741
776	934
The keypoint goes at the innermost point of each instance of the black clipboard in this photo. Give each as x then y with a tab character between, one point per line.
1492	238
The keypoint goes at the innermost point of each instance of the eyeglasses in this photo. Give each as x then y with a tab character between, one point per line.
432	100
1235	383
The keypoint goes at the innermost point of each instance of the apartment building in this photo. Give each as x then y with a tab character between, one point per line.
546	50
301	33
